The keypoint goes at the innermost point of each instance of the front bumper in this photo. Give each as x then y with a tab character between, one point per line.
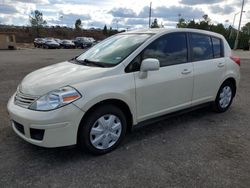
48	129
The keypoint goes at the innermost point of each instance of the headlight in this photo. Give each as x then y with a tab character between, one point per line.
56	99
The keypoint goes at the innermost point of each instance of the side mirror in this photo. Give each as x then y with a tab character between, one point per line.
149	64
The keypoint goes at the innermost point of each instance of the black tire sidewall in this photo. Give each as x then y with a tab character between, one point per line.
85	127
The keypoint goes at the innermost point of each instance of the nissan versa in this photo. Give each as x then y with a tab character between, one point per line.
125	80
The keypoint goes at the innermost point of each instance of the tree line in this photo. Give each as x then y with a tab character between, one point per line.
39	27
37	23
229	33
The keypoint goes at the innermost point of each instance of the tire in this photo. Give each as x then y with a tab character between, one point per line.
102	130
224	97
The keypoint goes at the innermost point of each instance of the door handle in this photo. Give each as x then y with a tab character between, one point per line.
221	65
186	71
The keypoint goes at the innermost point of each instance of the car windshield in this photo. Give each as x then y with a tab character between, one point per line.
114	50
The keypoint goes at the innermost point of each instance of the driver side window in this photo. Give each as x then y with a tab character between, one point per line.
170	49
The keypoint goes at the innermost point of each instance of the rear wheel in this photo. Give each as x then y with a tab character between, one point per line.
103	130
224	97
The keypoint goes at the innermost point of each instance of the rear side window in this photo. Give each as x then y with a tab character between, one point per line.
169	49
201	47
217	45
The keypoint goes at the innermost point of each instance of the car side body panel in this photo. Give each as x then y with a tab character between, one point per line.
163	91
112	90
207	78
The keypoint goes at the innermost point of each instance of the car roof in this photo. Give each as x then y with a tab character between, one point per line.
159	31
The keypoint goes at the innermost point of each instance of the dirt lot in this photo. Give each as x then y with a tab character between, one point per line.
198	149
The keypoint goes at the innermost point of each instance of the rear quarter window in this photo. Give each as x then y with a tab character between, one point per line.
217	47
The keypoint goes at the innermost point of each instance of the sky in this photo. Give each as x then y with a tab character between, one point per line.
121	14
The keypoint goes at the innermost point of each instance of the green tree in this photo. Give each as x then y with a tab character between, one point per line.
181	23
246	28
78	24
219	28
155	24
105	30
206	18
205	23
192	24
37	22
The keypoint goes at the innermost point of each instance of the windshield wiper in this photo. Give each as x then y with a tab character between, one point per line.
88	62
98	64
74	60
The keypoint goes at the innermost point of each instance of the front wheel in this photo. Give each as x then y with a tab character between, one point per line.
224	97
103	130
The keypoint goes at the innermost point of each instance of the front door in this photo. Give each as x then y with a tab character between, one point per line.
169	88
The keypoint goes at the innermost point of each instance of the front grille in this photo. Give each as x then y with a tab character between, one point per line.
19	127
24	100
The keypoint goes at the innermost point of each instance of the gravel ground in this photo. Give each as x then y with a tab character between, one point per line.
197	149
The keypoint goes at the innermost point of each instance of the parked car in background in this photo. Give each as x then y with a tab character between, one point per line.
67	44
51	44
82	42
59	41
38	42
129	79
91	39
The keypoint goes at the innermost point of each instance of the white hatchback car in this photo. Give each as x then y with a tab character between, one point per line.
125	80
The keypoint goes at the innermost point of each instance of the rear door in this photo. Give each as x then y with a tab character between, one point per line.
209	66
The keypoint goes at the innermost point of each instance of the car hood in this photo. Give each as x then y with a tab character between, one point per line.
55	76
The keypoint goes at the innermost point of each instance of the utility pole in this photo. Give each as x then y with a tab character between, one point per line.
231	32
238	32
117	24
149	19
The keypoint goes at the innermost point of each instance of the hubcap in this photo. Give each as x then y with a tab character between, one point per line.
106	131
225	97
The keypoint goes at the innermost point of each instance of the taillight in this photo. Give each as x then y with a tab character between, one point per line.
236	59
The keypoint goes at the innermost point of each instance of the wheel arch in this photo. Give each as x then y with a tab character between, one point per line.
233	82
116	102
